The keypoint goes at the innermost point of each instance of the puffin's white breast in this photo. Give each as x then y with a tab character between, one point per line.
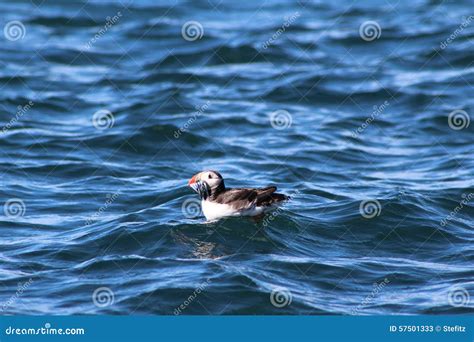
213	210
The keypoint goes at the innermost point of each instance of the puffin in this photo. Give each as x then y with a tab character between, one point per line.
217	201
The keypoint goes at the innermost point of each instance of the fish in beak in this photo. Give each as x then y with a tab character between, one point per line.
194	182
201	187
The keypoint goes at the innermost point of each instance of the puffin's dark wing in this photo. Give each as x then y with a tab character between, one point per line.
265	192
238	198
245	198
268	196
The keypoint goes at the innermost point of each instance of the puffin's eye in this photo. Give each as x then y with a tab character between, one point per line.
210	176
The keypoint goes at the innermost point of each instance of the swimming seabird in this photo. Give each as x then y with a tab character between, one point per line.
218	201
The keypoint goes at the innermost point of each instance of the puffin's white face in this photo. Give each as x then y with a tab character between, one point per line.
205	181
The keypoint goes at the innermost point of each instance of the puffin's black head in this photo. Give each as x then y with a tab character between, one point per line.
206	183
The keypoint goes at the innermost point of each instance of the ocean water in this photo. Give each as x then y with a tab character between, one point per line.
359	110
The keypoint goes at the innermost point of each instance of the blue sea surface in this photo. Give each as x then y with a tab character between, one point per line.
359	110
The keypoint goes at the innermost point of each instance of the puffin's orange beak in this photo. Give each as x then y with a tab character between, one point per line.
195	184
192	180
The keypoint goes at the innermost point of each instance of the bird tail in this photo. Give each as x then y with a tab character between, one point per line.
279	197
269	198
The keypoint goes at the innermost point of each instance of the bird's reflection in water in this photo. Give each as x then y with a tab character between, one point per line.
196	246
226	238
